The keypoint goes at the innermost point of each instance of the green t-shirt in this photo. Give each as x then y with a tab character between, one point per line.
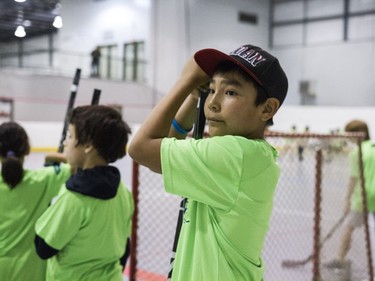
368	156
229	182
90	234
20	208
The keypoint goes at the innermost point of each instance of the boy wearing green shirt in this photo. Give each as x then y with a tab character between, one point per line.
84	233
228	178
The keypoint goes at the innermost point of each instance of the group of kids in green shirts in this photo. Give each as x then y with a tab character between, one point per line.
73	221
77	215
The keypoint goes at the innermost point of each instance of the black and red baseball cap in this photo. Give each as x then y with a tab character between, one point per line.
264	68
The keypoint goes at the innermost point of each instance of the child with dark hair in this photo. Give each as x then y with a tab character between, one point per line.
24	196
84	233
228	179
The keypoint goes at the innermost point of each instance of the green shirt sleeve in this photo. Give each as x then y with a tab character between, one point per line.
211	170
61	221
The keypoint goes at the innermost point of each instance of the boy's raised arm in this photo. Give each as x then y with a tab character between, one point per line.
145	145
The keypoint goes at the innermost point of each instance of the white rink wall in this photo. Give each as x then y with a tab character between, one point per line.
45	136
322	119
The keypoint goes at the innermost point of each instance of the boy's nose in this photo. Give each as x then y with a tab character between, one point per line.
214	104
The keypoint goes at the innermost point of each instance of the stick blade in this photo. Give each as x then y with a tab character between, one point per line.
291	263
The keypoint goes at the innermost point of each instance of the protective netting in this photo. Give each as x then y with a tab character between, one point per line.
307	223
308	215
156	217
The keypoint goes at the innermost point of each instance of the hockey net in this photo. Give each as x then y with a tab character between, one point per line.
307	223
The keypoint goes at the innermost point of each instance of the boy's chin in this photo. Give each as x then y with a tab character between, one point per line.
214	132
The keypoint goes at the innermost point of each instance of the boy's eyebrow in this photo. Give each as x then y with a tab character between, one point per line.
228	82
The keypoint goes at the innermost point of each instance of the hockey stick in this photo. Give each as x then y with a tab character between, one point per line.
200	119
73	94
199	124
295	263
96	97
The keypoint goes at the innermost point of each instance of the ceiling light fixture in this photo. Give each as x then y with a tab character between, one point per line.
57	22
20	1
20	31
26	23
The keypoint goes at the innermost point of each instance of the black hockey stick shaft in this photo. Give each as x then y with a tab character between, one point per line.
96	96
73	94
291	263
199	125
200	118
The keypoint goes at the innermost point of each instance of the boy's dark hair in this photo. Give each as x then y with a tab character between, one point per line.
103	127
358	126
230	67
14	145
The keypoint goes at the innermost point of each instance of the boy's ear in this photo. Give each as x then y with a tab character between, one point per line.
270	108
88	148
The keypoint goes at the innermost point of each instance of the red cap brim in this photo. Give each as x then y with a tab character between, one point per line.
209	59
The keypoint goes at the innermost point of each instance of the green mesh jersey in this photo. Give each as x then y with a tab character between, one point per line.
19	210
368	156
90	234
229	182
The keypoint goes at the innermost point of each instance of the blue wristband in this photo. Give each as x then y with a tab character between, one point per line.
178	128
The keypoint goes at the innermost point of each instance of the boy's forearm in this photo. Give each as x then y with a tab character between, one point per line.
144	148
157	124
185	117
55	157
145	145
